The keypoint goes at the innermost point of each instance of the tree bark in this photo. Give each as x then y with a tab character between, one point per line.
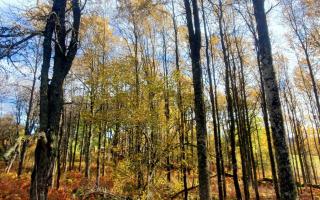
286	180
51	93
193	24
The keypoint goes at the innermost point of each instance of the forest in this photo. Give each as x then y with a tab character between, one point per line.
159	99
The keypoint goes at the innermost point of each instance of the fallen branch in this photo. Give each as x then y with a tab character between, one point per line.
188	189
194	187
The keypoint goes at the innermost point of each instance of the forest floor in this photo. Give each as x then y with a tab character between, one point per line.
73	185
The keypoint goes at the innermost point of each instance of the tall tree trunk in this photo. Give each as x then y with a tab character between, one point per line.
241	123
250	24
51	93
247	117
292	149
42	173
181	122
213	109
217	117
229	104
268	134
286	180
193	23
167	104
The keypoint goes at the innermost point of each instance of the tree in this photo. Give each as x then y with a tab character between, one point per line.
286	180
51	92
193	24
213	109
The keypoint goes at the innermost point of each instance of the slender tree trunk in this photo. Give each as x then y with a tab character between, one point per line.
193	23
240	118
76	141
260	152
229	105
167	106
87	152
296	138
98	155
293	147
315	175
89	137
66	143
104	151
217	117
213	109
180	106
83	142
71	139
58	158
246	116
